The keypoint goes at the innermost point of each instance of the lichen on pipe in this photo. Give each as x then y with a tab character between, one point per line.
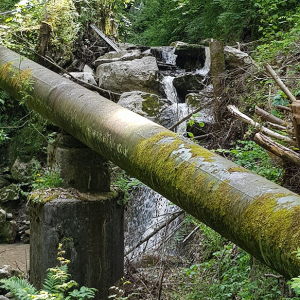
256	214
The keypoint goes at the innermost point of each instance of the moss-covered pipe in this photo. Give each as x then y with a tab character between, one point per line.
256	214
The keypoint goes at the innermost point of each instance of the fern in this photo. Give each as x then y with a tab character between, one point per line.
56	279
21	289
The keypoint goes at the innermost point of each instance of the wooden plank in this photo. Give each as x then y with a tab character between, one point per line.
105	38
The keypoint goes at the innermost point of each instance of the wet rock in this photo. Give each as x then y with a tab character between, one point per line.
2	216
190	56
122	55
126	76
10	193
202	98
164	54
126	46
235	58
5	272
188	82
3	182
9	216
88	69
147	105
84	76
9	295
23	171
8	232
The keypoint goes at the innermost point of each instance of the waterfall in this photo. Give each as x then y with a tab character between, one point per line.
148	211
169	88
206	68
180	110
168	55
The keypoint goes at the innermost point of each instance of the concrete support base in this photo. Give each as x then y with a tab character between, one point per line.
93	230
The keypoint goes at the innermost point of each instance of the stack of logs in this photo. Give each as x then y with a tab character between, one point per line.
290	128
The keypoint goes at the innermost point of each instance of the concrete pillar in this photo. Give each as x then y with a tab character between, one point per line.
79	166
90	224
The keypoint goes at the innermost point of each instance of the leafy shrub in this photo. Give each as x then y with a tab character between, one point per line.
57	285
252	157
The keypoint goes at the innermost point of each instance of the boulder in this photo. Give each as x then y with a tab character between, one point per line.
114	56
126	76
235	58
203	98
9	194
84	76
22	171
5	272
3	182
88	69
190	56
147	105
8	232
2	216
186	83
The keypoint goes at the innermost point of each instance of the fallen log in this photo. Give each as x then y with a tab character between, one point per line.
277	149
288	109
234	110
266	116
282	86
295	104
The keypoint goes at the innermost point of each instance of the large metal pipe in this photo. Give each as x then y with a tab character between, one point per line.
256	214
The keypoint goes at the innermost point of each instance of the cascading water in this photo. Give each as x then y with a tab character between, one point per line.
168	55
150	209
148	212
180	110
206	68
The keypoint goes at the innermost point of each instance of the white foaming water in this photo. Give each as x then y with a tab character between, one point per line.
205	70
150	210
168	55
169	88
180	109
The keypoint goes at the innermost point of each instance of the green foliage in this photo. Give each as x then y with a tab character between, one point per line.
125	184
6	5
191	21
280	99
295	282
23	32
46	178
224	273
57	285
251	156
118	293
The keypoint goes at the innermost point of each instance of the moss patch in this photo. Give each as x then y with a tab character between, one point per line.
151	104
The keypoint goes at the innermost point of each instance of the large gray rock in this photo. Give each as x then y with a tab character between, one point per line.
114	56
188	82
2	216
9	194
23	171
126	76
190	56
5	272
147	105
203	98
235	58
84	76
8	232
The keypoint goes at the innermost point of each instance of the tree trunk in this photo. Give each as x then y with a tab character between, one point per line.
217	69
